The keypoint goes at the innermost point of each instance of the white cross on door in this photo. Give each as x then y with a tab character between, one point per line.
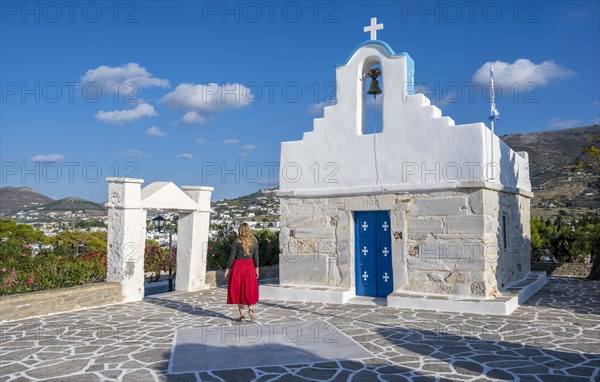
364	251
386	277
385	251
365	276
385	226
365	226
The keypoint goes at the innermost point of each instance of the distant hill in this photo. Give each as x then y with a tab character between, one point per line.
74	204
552	154
17	198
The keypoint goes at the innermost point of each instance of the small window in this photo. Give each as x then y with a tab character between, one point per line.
504	243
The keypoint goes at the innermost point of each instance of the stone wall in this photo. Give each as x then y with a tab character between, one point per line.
25	305
508	254
443	241
563	269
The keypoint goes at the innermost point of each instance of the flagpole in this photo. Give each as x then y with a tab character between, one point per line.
492	117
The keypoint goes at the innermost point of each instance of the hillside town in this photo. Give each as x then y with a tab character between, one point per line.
260	210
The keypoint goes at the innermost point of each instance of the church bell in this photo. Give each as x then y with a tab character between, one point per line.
374	87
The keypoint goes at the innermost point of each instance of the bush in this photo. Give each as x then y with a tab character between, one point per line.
219	249
156	260
23	271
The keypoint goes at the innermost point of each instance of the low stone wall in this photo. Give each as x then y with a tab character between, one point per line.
563	269
217	278
25	305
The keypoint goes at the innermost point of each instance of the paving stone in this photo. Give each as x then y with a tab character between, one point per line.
500	374
327	365
352	365
317	374
394	378
138	376
468	368
291	378
188	377
111	374
235	375
63	368
76	378
11	368
365	376
266	377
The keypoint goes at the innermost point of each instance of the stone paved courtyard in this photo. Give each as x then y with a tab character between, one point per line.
555	336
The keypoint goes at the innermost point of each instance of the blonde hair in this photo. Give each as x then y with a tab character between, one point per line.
245	238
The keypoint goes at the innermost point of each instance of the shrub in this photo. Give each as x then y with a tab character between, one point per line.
219	249
23	271
156	260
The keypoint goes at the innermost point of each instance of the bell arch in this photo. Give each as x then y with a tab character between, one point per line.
371	104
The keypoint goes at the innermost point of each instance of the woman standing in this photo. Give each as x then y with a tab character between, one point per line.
242	272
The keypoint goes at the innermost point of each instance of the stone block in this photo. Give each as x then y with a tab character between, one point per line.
456	205
476	202
300	210
428	225
314	233
305	270
416	264
466	224
370	202
307	221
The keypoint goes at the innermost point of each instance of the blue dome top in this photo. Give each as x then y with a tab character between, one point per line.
376	42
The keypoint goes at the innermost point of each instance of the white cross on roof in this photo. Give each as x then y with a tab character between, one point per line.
373	28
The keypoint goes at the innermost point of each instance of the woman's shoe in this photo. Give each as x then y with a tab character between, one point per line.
242	318
251	315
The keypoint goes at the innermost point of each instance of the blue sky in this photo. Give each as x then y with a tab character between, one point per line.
136	88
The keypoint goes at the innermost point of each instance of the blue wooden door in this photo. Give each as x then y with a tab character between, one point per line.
373	253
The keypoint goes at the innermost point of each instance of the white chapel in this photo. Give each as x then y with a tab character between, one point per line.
422	213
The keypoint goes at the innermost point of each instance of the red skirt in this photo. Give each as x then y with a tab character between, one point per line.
242	287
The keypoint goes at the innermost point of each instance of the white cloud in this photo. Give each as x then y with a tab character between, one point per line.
243	154
558	123
119	116
125	76
248	147
133	153
205	99
317	108
186	156
199	141
193	118
231	141
48	158
521	71
155	132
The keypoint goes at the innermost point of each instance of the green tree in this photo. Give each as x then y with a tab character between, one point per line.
23	233
591	161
